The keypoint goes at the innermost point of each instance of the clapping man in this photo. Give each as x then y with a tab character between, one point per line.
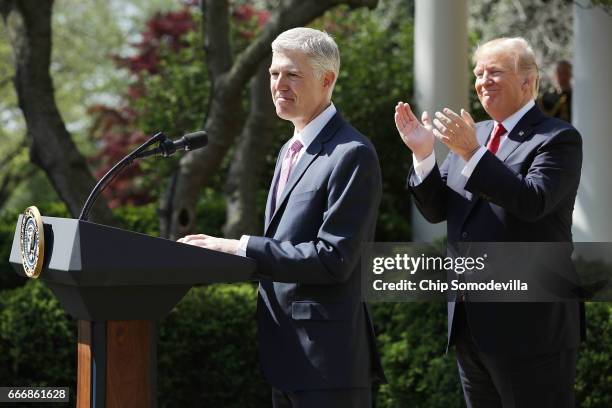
510	179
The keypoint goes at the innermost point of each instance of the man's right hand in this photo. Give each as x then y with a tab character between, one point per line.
417	136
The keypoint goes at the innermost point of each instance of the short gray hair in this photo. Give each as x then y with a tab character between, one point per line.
524	57
320	48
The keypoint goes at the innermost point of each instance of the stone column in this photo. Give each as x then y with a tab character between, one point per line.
441	77
591	110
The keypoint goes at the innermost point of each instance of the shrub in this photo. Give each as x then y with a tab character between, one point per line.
594	379
8	278
208	350
412	339
37	339
206	346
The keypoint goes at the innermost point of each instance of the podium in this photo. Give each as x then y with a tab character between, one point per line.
118	284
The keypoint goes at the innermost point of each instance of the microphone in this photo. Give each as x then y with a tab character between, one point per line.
167	147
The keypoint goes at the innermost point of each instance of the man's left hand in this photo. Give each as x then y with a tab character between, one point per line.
229	246
457	132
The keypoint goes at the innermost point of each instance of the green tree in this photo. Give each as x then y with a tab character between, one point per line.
85	36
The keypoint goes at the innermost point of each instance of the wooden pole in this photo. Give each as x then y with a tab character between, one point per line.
116	364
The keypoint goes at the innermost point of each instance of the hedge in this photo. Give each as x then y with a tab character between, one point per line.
207	350
412	340
207	345
37	339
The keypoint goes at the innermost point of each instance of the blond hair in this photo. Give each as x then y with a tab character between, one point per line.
524	57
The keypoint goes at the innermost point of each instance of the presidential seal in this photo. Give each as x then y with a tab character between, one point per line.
32	242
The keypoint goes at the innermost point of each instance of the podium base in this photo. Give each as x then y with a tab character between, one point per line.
117	364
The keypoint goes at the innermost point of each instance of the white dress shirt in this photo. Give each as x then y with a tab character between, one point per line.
306	137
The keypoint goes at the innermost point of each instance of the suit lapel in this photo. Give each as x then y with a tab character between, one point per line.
484	132
519	133
311	153
272	191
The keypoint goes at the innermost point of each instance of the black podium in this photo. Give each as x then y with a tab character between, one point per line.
118	284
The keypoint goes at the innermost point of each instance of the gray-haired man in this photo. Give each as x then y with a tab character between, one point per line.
317	345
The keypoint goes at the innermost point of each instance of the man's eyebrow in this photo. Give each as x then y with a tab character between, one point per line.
488	67
287	69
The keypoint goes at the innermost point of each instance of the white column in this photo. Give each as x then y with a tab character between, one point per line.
440	76
591	110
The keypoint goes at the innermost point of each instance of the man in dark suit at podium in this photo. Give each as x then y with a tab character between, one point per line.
510	179
316	338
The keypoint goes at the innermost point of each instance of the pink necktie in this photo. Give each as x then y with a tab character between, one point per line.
288	163
493	144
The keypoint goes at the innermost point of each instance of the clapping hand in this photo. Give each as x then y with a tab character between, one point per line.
417	136
457	132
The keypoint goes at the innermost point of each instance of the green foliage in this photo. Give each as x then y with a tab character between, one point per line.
366	93
206	346
175	100
81	68
551	38
34	188
210	214
177	95
412	339
376	73
8	278
37	339
12	124
82	73
208	350
605	5
141	219
594	382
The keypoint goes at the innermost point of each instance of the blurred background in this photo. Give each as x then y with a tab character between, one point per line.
84	83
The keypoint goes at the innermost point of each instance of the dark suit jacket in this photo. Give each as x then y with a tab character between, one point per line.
524	193
314	330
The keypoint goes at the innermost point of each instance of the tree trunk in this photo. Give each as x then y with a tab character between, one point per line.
244	178
225	112
28	23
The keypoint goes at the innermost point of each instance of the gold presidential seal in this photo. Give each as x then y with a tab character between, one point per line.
32	242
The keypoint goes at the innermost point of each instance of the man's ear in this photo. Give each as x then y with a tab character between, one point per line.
328	79
528	82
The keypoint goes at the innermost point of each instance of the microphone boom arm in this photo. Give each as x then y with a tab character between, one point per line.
114	171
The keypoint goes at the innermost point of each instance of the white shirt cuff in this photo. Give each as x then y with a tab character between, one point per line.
469	167
242	245
424	167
